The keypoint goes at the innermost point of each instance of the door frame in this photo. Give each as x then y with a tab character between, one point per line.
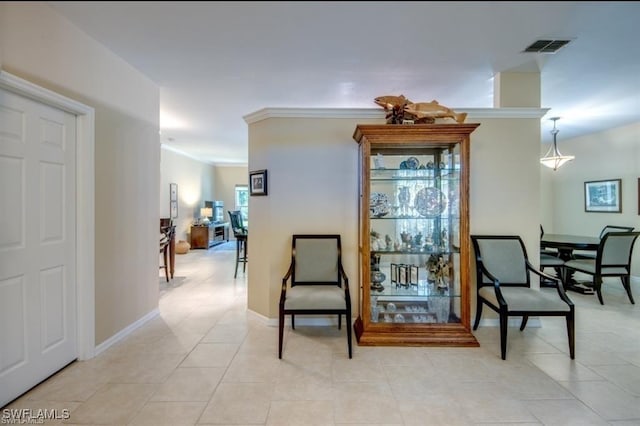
85	206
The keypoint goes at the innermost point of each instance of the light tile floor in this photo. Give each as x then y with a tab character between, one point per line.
206	360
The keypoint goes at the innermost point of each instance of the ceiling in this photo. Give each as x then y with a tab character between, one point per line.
216	62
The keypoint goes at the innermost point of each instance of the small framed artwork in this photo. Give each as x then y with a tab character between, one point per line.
173	200
258	182
173	192
603	196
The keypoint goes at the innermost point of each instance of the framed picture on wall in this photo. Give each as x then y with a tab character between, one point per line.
603	196
173	200
258	182
173	192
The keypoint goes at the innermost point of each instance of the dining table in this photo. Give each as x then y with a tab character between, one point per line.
566	244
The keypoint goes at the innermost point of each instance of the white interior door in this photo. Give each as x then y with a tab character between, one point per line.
37	243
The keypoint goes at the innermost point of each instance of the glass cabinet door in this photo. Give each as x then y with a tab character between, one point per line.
414	236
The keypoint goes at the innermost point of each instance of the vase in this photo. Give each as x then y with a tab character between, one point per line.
377	276
182	247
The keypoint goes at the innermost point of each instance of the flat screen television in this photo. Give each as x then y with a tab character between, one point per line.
217	209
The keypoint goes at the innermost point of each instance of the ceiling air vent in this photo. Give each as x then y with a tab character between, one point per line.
546	46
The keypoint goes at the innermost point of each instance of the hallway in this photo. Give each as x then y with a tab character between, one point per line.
206	360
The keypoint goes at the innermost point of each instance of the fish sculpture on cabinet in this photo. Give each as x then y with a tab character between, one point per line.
427	112
394	106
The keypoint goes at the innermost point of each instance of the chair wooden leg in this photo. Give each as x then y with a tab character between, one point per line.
348	320
349	341
525	318
571	334
597	284
244	257
478	314
166	268
293	322
238	243
339	322
565	278
503	335
626	283
280	333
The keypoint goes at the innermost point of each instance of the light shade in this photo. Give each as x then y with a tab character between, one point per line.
553	159
206	212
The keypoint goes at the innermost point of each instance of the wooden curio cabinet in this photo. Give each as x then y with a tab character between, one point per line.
414	235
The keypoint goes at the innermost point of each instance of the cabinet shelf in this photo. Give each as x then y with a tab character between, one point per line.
419	175
416	252
412	296
412	292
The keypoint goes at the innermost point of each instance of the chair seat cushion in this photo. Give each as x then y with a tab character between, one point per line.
589	266
547	260
525	299
309	297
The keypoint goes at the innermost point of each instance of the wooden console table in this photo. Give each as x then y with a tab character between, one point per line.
205	236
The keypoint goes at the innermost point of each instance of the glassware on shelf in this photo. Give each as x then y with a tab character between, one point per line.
377	276
404	198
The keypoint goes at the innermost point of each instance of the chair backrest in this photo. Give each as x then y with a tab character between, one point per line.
504	256
616	248
236	222
316	259
166	233
614	228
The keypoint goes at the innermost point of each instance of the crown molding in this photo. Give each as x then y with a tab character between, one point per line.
193	157
265	113
475	113
183	153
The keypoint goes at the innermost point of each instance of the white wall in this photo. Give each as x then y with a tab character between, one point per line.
40	46
614	154
196	182
313	187
227	177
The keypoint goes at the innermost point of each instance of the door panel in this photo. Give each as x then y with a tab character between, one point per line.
37	243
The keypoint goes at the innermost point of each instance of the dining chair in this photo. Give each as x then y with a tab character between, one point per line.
605	230
241	234
503	283
166	233
613	259
317	283
550	259
550	252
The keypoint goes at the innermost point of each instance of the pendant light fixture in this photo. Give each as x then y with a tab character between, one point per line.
553	159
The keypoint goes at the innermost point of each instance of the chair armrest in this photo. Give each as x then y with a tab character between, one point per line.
496	285
345	280
559	284
540	273
283	290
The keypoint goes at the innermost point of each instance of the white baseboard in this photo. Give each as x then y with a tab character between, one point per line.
303	320
261	317
120	335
